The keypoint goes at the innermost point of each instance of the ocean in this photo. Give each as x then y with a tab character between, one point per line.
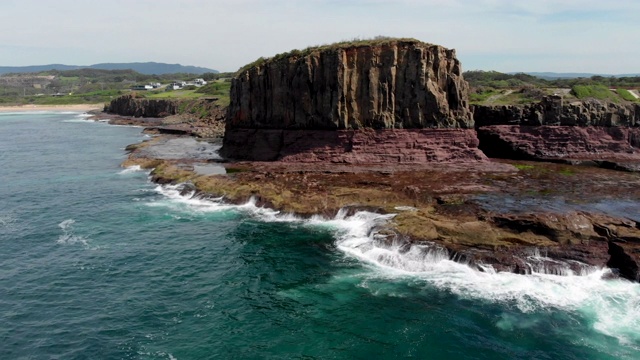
97	262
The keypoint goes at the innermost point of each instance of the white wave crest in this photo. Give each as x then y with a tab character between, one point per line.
79	118
130	170
68	236
614	305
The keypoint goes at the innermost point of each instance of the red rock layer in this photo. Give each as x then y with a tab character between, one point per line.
561	142
409	146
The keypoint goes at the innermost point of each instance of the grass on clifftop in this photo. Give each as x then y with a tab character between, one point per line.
625	94
599	92
175	94
356	42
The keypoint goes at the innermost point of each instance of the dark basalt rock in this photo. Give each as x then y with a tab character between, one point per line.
129	105
554	111
589	132
295	104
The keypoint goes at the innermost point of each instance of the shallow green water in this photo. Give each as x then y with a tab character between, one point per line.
98	263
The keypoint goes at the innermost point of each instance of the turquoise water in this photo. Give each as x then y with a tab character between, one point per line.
98	263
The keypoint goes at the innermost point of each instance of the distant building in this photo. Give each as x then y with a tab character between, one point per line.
199	82
175	86
142	87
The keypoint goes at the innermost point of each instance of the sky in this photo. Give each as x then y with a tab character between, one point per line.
504	35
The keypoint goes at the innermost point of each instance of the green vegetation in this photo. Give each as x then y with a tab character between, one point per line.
174	94
593	91
625	94
355	42
99	86
483	94
219	89
495	88
567	172
498	80
523	166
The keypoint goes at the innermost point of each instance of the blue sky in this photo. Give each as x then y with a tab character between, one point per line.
504	35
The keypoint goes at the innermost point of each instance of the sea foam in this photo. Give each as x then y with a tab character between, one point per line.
130	170
68	236
613	306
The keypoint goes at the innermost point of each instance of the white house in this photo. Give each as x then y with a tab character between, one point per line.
141	87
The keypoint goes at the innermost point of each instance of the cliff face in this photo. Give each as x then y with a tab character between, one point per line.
128	105
605	133
368	146
324	104
399	84
553	111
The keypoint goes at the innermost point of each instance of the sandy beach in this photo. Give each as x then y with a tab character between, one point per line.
74	107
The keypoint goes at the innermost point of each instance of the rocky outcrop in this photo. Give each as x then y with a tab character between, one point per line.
198	117
560	142
410	146
130	105
393	84
606	134
553	111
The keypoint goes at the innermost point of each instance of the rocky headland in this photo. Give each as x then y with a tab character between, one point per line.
385	126
581	132
394	101
199	117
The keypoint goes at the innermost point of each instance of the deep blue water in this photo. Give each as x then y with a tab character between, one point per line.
98	263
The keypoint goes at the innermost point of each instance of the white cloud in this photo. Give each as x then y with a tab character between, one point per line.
534	34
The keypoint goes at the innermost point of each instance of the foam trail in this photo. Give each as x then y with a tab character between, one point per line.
79	118
182	198
68	236
613	306
131	169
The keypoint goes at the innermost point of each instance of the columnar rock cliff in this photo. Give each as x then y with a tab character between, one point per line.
391	84
129	105
553	111
554	130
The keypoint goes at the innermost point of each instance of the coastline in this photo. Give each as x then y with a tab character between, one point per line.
492	213
71	107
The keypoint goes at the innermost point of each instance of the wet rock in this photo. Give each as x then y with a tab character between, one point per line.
626	259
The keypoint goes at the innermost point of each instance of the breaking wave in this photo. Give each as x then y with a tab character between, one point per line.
68	236
130	170
611	305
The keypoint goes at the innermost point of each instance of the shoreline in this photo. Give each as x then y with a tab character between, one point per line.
71	107
461	208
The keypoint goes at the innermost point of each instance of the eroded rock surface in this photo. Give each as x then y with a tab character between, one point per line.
607	134
129	105
561	142
554	111
396	84
355	146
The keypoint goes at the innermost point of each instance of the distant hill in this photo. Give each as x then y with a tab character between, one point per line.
141	67
553	75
